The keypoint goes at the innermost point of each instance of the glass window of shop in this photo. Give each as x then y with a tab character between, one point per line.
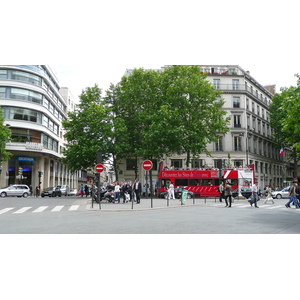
25	114
27	77
27	95
25	135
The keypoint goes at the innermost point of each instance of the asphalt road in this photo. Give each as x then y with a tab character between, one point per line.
74	215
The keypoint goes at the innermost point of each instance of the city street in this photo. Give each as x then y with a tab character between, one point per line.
62	215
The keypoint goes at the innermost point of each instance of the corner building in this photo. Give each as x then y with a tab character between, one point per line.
34	106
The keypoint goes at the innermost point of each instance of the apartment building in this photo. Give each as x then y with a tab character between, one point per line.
34	106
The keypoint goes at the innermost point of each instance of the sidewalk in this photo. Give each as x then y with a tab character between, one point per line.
157	203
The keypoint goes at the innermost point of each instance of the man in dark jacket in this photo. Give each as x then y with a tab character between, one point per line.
137	189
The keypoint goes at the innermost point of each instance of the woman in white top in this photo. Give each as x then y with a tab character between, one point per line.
117	192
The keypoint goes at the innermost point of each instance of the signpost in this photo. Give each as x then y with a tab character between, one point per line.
99	169
147	166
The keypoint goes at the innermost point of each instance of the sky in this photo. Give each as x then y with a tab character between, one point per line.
93	42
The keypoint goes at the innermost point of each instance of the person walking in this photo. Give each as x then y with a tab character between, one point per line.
268	194
86	190
221	191
228	194
293	196
254	195
124	191
171	191
137	189
81	190
37	191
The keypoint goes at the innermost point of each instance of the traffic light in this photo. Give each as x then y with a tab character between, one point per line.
20	170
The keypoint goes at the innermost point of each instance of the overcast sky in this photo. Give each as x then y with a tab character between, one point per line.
87	43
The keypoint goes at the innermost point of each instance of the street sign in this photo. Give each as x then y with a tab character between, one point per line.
147	165
99	168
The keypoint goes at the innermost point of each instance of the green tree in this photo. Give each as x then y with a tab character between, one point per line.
5	136
88	130
174	111
285	121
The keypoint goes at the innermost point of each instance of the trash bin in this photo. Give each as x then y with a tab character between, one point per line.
184	195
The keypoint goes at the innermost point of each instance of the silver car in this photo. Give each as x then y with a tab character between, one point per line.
281	194
19	190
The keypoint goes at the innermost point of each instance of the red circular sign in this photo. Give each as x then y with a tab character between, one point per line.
147	165
99	168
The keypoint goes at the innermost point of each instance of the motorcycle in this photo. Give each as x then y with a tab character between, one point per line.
106	195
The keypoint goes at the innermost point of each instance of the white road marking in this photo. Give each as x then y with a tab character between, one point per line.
4	210
40	209
58	208
74	207
21	210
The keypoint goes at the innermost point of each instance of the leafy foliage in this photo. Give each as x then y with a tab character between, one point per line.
5	135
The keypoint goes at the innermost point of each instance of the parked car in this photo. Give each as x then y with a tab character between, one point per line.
51	192
284	193
73	192
177	193
246	192
64	189
19	190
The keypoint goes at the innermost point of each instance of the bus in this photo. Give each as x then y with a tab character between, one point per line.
205	183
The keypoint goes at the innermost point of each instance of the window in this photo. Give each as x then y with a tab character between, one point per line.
25	135
237	143
238	163
176	163
217	84
27	77
237	121
219	144
130	164
235	84
197	163
3	74
25	114
27	95
236	102
2	92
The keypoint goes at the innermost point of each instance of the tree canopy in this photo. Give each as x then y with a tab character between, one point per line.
148	114
5	135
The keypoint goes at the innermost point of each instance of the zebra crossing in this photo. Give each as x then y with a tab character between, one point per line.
262	206
40	209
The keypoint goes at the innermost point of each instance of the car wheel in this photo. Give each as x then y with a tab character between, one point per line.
25	195
3	194
278	196
188	196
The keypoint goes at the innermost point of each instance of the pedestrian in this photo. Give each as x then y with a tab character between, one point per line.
124	189
221	191
293	196
137	189
129	190
228	194
117	192
86	190
37	191
254	199
171	191
268	193
81	190
30	189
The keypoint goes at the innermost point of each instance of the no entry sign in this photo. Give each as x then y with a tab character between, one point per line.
147	165
99	168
